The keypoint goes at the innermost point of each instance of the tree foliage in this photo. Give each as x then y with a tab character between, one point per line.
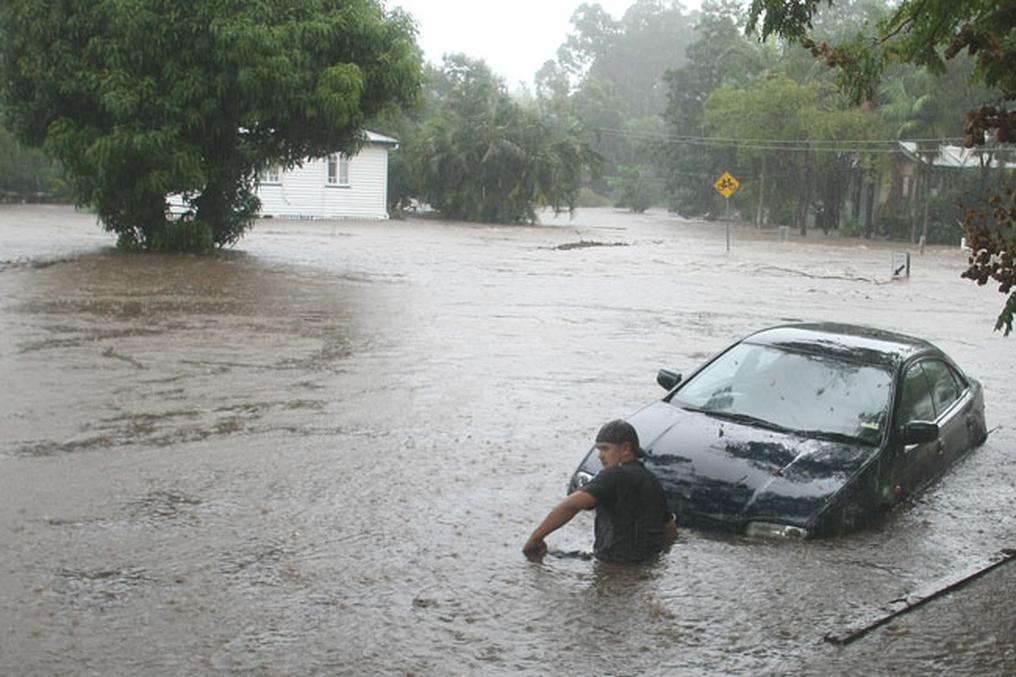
610	71
928	33
637	188
481	156
718	56
139	99
776	109
630	54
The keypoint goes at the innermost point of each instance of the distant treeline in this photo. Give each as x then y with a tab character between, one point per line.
650	108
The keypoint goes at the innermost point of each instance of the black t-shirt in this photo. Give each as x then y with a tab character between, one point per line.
630	513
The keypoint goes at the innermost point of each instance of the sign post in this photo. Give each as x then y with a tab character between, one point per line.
726	186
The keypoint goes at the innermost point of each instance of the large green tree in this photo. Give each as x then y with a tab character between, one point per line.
481	156
928	33
139	99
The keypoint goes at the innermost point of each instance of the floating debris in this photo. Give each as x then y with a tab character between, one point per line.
584	244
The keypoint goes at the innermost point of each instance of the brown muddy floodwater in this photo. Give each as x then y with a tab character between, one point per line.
321	453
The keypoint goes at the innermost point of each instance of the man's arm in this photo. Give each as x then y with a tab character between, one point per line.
560	515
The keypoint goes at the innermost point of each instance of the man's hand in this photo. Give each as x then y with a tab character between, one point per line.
534	549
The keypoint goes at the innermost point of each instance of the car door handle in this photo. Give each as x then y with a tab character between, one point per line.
941	447
970	421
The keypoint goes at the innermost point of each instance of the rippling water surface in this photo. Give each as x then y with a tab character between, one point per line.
322	452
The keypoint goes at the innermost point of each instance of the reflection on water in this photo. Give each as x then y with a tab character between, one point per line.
321	454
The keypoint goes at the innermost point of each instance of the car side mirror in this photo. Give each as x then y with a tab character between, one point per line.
667	379
920	432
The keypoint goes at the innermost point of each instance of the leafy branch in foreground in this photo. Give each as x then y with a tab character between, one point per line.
991	237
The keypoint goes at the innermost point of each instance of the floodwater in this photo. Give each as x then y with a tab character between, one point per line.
321	453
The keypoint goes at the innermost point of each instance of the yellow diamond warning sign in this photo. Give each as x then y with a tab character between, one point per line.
727	185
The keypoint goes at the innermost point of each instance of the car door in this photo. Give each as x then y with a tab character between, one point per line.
954	408
932	391
911	461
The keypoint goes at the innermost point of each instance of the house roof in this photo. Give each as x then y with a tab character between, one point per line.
380	139
957	157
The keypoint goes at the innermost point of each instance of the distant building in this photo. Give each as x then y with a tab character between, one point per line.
333	187
946	163
918	174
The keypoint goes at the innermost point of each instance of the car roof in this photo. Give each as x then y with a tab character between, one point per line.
847	341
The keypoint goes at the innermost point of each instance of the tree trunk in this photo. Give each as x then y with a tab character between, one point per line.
927	200
213	205
833	216
871	191
913	202
855	207
761	194
802	204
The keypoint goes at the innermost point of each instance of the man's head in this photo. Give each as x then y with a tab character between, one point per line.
617	442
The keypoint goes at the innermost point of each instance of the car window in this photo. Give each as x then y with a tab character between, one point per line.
945	389
916	402
795	390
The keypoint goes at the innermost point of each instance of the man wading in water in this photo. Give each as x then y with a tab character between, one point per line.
632	521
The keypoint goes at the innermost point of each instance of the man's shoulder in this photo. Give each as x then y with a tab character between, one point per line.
611	473
632	473
605	482
623	474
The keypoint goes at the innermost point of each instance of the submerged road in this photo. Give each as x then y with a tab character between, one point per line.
320	453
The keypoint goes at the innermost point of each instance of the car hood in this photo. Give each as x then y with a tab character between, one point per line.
725	474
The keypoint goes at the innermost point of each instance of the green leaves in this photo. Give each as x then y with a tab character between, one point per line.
637	188
483	157
339	90
790	19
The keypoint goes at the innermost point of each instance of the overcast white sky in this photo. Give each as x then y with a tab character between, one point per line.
514	37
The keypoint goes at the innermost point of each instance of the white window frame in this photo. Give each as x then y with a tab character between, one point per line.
338	170
272	175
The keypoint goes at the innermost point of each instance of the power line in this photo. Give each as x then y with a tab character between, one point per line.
690	137
874	146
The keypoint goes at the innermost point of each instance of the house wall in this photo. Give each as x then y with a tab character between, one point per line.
304	192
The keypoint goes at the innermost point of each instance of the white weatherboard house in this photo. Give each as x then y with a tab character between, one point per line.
333	187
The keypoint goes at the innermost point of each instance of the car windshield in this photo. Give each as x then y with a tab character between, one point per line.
814	394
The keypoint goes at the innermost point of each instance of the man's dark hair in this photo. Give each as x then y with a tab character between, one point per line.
620	431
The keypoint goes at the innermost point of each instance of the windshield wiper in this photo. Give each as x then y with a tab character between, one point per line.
742	418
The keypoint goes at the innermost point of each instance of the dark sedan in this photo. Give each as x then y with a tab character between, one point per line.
806	430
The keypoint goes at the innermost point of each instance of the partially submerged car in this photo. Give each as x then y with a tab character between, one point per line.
806	430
